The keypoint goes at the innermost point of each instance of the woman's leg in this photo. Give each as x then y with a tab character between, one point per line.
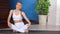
27	29
14	27
23	29
11	27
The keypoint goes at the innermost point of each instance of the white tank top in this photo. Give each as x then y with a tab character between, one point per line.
16	17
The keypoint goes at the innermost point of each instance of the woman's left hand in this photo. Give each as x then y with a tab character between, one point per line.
29	25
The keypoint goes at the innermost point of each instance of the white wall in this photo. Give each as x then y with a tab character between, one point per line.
58	13
52	13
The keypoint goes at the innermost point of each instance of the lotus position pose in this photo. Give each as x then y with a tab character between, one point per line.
17	15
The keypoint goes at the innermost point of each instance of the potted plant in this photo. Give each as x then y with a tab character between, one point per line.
42	9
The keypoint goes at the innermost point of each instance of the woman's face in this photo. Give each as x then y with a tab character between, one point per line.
18	6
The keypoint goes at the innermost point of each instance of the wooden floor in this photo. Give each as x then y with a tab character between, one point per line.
30	32
40	28
36	29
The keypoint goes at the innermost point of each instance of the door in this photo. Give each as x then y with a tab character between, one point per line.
4	10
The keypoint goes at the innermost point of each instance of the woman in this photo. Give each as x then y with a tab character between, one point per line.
17	15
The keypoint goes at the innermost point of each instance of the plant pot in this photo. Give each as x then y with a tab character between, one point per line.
42	19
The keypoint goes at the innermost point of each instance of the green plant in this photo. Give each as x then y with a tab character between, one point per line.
42	7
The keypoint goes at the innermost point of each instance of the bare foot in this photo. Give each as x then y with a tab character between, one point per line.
14	31
26	31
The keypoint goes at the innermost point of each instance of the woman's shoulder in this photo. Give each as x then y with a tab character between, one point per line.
11	11
23	12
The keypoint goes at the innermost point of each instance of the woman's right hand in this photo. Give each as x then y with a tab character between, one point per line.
9	24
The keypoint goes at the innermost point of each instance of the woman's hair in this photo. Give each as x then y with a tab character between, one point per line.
19	2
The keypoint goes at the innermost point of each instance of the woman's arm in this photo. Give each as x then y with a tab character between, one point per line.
25	17
9	17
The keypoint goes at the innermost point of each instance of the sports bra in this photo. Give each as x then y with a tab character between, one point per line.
16	17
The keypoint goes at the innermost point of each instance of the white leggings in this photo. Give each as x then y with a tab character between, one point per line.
19	27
